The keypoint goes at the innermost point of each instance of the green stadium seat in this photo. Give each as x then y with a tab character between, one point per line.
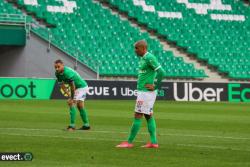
211	40
93	34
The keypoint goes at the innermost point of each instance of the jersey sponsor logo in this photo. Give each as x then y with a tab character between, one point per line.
142	71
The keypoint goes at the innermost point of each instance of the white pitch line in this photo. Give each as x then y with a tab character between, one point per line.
138	141
208	136
60	130
212	147
65	137
143	133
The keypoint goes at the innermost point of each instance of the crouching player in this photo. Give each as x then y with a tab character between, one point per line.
77	93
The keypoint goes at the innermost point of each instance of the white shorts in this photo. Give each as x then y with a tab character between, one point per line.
145	102
81	93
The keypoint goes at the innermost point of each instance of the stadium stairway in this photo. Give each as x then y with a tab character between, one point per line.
99	29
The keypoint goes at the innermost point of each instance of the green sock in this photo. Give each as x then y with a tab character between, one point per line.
84	116
134	130
152	130
72	116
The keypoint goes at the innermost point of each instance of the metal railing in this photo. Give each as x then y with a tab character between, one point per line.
21	20
15	20
12	19
76	53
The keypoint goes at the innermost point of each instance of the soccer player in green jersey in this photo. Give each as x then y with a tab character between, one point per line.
78	91
149	71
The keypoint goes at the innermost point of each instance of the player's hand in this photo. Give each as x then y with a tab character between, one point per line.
70	101
68	94
150	87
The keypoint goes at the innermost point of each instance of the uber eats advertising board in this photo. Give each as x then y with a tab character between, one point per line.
32	88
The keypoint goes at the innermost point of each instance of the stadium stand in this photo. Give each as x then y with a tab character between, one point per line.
102	41
12	26
215	31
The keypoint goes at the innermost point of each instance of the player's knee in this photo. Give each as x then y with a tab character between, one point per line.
71	102
147	116
80	104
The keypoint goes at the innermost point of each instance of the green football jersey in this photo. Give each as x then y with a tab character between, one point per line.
70	75
148	65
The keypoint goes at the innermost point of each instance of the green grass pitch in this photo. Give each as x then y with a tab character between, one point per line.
190	134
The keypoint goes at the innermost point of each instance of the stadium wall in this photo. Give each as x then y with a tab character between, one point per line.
33	60
31	88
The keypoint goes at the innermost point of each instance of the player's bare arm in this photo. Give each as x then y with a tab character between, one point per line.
72	89
159	77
